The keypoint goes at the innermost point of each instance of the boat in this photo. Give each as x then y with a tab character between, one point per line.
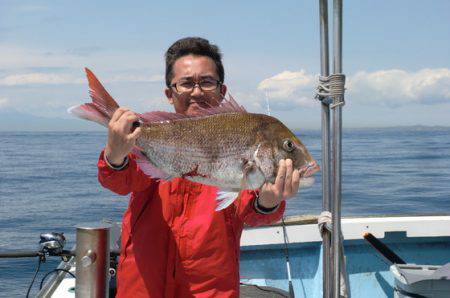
385	256
420	240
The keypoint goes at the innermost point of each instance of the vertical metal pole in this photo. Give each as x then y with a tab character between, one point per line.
326	187
92	262
337	147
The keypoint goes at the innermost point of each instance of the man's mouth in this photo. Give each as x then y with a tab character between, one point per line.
199	104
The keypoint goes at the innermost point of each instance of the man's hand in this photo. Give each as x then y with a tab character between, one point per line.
121	138
285	187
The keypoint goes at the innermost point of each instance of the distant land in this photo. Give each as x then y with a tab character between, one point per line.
13	120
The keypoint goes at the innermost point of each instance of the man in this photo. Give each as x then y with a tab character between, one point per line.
174	244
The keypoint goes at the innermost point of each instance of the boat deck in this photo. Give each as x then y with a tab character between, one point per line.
417	239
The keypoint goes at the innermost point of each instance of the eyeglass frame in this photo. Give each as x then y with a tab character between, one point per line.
197	83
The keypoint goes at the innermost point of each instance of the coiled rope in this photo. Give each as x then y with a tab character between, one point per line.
331	89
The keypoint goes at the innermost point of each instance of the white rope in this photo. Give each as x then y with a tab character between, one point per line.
331	89
325	223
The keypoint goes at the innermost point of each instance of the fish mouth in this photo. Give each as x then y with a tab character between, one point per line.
309	169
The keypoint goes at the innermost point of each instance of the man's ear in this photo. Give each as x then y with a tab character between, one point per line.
169	94
223	90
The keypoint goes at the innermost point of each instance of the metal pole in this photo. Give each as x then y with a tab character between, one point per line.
92	262
326	188
337	147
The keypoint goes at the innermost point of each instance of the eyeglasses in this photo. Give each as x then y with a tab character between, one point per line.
185	86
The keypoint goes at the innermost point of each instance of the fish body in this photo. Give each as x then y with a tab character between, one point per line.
222	146
215	149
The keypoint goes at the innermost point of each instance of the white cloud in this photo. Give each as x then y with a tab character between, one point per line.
56	79
386	87
288	89
286	83
39	78
4	102
14	58
398	87
136	78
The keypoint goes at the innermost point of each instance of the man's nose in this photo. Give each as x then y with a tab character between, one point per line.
196	90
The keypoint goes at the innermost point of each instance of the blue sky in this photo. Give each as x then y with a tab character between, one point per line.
396	56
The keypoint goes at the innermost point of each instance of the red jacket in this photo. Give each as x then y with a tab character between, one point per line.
174	244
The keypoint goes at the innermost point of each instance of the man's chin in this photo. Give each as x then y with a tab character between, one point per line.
193	113
193	110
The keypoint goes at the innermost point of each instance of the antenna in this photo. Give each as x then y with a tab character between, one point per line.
267	103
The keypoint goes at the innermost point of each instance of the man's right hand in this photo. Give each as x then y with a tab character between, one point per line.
121	138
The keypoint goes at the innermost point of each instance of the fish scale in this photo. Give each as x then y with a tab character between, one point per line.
211	144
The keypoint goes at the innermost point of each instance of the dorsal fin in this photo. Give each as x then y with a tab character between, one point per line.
227	106
161	116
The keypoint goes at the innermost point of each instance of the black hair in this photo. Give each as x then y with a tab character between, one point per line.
193	46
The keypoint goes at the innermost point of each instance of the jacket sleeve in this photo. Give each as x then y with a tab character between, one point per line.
123	181
248	214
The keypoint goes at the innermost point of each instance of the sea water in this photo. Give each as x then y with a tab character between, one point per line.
48	182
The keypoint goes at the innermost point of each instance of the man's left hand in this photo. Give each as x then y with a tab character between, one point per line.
286	186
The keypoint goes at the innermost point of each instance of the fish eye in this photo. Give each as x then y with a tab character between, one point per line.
288	145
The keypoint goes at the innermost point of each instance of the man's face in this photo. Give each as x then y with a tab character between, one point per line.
194	68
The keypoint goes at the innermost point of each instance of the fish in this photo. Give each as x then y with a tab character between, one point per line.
223	146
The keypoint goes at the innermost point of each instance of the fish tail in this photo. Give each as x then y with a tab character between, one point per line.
101	108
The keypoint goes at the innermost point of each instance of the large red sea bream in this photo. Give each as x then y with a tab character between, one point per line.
223	146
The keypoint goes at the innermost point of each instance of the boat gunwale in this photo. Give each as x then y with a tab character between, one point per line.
304	229
305	219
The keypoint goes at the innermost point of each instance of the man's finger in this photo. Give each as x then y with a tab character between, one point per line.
287	191
281	176
295	181
127	121
135	134
117	114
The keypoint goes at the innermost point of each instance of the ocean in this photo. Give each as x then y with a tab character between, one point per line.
48	183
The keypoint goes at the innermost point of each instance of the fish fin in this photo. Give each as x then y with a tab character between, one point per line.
89	111
160	116
225	199
147	167
101	108
252	177
306	182
227	106
100	97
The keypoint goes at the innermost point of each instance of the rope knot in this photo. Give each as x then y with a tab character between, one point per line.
331	89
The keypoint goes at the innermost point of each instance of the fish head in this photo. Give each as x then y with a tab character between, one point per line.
281	143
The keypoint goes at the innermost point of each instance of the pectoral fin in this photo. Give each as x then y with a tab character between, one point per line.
148	168
253	177
225	198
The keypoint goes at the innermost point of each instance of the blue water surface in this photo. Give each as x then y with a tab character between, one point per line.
48	182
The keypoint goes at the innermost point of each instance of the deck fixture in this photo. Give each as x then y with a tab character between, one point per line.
331	95
92	262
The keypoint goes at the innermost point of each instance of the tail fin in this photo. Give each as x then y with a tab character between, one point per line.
102	107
